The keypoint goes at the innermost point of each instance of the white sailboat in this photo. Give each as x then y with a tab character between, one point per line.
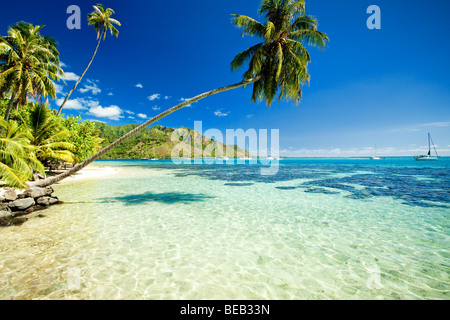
154	157
245	157
375	157
428	156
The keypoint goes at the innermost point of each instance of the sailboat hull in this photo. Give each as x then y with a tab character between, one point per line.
428	157
425	158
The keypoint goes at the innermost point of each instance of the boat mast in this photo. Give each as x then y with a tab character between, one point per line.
434	147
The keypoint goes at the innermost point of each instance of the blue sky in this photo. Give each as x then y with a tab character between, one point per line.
385	87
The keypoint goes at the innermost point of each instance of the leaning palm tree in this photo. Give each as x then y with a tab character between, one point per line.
101	20
29	64
279	63
17	156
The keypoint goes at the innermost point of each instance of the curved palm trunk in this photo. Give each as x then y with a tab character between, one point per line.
79	80
10	105
78	167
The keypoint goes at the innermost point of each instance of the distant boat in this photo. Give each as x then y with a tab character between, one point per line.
246	154
428	157
375	157
154	157
272	158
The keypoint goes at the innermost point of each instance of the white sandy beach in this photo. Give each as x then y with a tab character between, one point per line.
92	172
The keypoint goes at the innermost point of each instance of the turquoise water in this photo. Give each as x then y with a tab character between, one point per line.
318	229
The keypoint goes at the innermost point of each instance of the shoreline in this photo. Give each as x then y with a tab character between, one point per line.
91	171
18	205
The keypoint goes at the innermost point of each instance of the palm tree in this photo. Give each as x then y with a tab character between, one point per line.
101	20
47	136
279	63
29	64
17	156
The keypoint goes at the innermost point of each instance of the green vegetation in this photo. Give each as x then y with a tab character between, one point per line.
101	20
281	61
47	135
29	62
84	136
17	154
278	64
34	137
157	142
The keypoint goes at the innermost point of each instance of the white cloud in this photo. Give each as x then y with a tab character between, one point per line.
62	65
167	97
110	94
220	114
142	116
156	108
111	112
139	86
94	120
91	86
437	124
59	89
155	96
70	76
249	116
129	112
75	104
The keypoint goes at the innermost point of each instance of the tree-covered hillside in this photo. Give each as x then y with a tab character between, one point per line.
159	142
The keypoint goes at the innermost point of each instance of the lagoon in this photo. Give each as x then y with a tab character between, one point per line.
318	229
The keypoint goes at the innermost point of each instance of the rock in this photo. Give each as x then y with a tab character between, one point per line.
37	192
21	204
5	214
4	207
49	190
29	210
46	201
53	200
10	195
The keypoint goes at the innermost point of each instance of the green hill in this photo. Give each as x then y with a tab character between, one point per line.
159	142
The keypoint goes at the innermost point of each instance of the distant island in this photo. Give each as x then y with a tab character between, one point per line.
156	142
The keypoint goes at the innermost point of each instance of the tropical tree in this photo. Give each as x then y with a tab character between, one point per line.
29	64
101	20
84	135
279	63
48	136
17	156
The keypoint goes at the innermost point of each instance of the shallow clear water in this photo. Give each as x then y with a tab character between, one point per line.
319	229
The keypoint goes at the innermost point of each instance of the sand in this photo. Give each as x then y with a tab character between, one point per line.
92	172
